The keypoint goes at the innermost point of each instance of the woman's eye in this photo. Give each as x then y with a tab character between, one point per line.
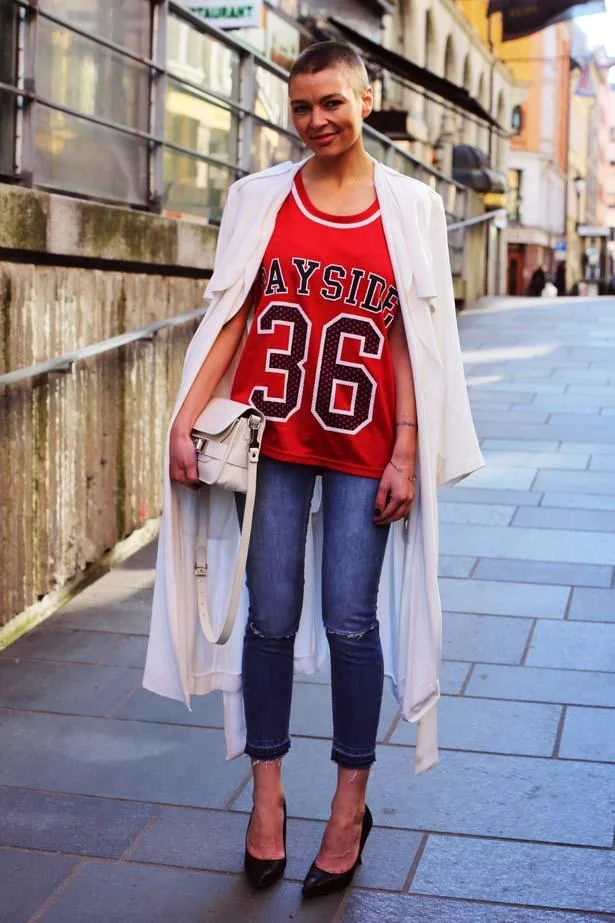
333	103
299	110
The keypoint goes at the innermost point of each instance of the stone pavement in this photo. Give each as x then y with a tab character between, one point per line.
118	807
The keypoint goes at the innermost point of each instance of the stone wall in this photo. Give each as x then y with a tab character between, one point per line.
81	450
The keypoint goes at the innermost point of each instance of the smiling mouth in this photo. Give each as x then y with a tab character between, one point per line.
327	137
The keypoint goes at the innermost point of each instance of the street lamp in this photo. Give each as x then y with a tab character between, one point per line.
579	185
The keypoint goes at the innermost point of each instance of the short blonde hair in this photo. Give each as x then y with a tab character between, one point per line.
324	55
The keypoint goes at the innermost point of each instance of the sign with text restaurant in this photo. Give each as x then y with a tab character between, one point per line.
229	14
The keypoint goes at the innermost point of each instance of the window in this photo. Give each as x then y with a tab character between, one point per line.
515	179
75	154
516	120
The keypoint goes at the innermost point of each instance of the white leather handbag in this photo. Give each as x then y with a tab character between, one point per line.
227	436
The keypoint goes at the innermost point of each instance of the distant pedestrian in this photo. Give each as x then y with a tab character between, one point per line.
332	312
537	282
560	279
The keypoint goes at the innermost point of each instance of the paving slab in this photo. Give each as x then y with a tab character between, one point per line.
517	873
311	711
541	517
502	478
393	908
60	645
453	676
488	726
591	430
486	514
589	734
214	840
129	651
578	501
491	638
27	880
602	463
498	497
476	794
451	565
573	645
134	760
119	619
70	824
143	705
538	684
109	592
68	688
504	598
519	459
525	446
529	544
589	448
593	605
589	482
111	892
537	572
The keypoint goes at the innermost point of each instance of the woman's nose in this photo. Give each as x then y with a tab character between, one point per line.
319	118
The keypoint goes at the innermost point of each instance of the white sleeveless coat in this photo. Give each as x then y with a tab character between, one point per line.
180	662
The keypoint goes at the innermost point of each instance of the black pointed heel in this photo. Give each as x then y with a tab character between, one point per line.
262	873
318	882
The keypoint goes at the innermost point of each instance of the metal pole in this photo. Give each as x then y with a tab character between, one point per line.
28	84
491	82
158	92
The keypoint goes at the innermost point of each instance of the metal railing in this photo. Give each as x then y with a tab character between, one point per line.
96	118
67	361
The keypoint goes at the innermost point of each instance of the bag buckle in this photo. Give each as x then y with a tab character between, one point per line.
200	570
254	424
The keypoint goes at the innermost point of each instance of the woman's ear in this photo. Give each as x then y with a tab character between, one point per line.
367	102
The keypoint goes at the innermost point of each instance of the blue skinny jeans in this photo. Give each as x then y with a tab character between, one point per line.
353	552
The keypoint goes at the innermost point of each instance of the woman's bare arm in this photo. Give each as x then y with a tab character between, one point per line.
396	491
182	466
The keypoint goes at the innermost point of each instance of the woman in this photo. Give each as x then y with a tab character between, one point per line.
331	264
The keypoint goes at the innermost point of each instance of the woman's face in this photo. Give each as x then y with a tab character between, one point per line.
328	111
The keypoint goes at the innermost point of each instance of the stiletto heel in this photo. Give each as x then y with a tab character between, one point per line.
318	882
262	873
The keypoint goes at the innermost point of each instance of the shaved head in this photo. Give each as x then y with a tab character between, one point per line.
325	55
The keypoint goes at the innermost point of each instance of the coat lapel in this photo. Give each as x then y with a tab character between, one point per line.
405	219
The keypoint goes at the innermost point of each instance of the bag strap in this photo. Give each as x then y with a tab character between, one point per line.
200	569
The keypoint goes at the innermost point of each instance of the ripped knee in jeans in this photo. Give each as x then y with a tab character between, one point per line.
350	635
269	636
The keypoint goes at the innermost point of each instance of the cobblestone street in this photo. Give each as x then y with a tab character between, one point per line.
119	807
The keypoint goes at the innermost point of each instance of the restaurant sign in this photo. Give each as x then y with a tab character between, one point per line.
229	14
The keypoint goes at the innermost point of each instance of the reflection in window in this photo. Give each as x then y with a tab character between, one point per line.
89	159
195	187
125	22
74	71
198	124
197	57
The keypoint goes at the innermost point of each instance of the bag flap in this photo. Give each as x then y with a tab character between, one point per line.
219	414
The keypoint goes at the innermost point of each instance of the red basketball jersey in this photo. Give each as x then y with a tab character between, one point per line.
317	360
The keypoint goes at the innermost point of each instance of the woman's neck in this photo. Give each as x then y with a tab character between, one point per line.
353	166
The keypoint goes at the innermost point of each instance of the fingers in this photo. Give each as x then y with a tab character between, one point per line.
381	499
184	471
396	508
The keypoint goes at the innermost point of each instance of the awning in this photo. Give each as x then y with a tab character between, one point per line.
411	72
471	168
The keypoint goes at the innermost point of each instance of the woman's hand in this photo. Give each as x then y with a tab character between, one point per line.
395	494
182	464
